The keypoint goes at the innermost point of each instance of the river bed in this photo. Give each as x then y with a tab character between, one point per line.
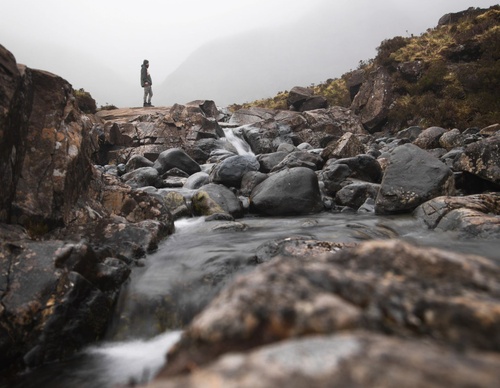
191	267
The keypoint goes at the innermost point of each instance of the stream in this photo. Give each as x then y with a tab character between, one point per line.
190	268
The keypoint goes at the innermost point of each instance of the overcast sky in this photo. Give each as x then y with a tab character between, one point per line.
76	39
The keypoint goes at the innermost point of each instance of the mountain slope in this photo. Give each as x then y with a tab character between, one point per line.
449	76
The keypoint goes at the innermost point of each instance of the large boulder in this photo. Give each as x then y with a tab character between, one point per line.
416	294
266	136
197	180
300	159
473	216
333	176
303	99
142	177
346	147
429	138
230	171
271	160
56	298
412	177
481	158
176	158
214	199
451	139
363	167
292	191
355	194
325	125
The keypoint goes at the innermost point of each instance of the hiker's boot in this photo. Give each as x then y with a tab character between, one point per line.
149	104
145	105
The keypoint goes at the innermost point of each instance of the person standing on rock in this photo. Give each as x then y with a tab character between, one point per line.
146	83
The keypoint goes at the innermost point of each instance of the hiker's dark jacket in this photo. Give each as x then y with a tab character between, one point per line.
145	77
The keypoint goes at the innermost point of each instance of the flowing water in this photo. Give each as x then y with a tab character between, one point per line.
188	270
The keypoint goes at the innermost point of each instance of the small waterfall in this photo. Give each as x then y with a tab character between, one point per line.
241	145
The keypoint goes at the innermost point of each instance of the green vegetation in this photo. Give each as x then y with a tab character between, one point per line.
459	85
456	82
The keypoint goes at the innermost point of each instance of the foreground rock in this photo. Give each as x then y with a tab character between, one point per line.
69	235
344	360
56	297
418	295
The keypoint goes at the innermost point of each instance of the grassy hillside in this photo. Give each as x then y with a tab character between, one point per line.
455	77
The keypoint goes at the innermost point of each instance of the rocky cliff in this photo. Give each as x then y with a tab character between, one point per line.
449	76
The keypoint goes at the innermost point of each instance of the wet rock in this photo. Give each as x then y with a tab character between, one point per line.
142	177
138	161
213	199
266	136
296	246
325	125
481	158
176	157
299	159
355	194
472	216
176	204
202	149
269	161
250	180
451	139
285	147
380	286
289	192
230	171
346	147
332	177
363	167
197	180
412	177
429	138
56	297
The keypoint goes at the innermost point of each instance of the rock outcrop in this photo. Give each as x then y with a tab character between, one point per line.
69	234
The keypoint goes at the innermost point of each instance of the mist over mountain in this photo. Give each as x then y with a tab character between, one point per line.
258	64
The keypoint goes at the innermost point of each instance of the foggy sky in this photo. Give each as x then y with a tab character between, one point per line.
99	44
